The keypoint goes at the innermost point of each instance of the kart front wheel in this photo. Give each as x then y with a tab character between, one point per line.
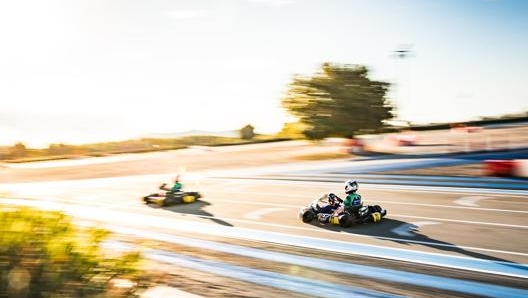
345	221
308	216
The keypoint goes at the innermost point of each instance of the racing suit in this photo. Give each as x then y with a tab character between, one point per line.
353	202
176	187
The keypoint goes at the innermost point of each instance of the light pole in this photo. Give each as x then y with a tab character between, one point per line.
401	54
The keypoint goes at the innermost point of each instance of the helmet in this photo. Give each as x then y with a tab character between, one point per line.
331	198
351	186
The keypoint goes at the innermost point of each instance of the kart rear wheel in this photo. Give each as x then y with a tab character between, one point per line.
345	221
308	216
188	198
376	217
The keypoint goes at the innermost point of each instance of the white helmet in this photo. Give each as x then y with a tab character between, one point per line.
351	186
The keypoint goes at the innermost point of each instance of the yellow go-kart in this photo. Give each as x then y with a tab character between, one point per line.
169	198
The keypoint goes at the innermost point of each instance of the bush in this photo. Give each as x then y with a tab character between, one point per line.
42	254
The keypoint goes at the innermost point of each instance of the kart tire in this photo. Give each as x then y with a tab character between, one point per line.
376	217
188	198
148	199
160	203
345	221
308	216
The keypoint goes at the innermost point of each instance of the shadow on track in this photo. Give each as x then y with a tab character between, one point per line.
195	209
383	229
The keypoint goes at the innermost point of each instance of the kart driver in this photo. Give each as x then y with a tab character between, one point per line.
176	187
352	203
353	200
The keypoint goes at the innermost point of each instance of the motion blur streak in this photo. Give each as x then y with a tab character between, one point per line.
468	287
281	281
472	264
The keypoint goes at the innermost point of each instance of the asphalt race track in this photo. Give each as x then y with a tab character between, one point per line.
448	239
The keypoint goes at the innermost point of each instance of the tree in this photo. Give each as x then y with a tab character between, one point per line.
247	132
18	150
293	130
338	101
60	149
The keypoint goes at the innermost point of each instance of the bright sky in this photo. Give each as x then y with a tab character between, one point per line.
79	71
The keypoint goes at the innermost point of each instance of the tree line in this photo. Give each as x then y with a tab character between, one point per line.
19	151
340	100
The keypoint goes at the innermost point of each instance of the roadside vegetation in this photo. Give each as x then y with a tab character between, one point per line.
19	153
321	156
322	104
43	254
340	100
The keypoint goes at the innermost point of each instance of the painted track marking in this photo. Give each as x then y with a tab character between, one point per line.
257	214
470	201
408	229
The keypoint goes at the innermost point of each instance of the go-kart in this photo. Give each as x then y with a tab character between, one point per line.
344	217
168	198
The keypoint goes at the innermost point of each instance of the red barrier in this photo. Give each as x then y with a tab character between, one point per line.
502	168
354	145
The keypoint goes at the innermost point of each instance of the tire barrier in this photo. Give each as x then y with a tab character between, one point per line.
354	146
506	168
409	138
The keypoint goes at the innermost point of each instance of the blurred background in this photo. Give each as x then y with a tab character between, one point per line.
92	71
441	82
